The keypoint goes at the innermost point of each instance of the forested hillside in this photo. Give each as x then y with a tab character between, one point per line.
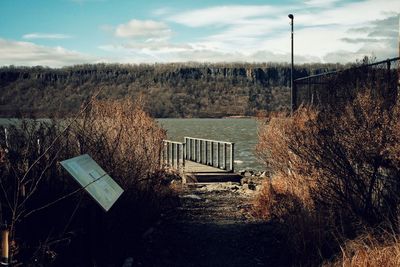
170	90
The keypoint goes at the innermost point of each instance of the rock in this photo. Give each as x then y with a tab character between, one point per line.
244	181
263	175
252	186
247	174
128	262
235	188
241	172
192	197
148	232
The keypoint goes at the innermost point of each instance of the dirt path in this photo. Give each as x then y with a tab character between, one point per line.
212	227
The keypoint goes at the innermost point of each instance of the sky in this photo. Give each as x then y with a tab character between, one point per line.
58	33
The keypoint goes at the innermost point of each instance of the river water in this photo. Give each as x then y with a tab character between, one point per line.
243	132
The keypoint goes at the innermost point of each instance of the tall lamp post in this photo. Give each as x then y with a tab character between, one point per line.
292	91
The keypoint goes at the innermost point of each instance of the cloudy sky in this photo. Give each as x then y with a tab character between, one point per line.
65	32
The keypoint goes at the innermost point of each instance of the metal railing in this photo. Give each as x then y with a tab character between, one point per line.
336	88
173	154
213	153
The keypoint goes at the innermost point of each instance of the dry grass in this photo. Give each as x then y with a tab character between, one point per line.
125	141
333	174
123	131
369	251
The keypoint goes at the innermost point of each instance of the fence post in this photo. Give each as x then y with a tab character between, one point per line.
388	87
294	96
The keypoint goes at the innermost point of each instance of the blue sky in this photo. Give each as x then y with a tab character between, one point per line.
65	32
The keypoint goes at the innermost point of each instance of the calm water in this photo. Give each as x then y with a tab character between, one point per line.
243	132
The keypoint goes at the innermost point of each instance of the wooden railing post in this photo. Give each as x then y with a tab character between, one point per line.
212	153
168	153
218	155
191	148
225	157
172	154
232	160
195	150
183	156
201	151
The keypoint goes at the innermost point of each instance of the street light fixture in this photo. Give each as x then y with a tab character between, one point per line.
292	91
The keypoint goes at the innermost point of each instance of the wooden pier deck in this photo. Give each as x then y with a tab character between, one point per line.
199	173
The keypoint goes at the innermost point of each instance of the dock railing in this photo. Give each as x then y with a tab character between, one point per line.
213	153
173	154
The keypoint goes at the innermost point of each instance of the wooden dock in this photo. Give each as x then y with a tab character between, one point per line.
199	173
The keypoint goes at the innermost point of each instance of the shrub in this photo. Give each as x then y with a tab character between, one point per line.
341	168
125	141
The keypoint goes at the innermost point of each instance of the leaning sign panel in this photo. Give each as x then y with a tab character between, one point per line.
94	179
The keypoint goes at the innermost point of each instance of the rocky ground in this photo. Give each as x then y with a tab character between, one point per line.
212	226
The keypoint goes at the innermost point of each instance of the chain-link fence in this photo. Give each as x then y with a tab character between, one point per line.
334	89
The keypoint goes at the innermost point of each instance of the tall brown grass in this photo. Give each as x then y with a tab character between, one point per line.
334	174
125	141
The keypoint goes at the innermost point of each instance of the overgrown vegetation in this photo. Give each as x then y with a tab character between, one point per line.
52	221
335	177
172	90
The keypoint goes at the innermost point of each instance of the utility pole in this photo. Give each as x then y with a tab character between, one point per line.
292	89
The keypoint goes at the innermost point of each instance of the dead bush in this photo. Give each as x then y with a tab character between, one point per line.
345	161
341	168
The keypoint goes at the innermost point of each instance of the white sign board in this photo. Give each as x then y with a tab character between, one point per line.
94	179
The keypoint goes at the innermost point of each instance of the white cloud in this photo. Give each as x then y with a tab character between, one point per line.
143	29
323	28
222	15
30	54
38	35
321	3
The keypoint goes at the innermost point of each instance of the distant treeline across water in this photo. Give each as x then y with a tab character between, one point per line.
169	90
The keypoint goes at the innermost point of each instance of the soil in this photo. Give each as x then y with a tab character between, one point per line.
211	227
